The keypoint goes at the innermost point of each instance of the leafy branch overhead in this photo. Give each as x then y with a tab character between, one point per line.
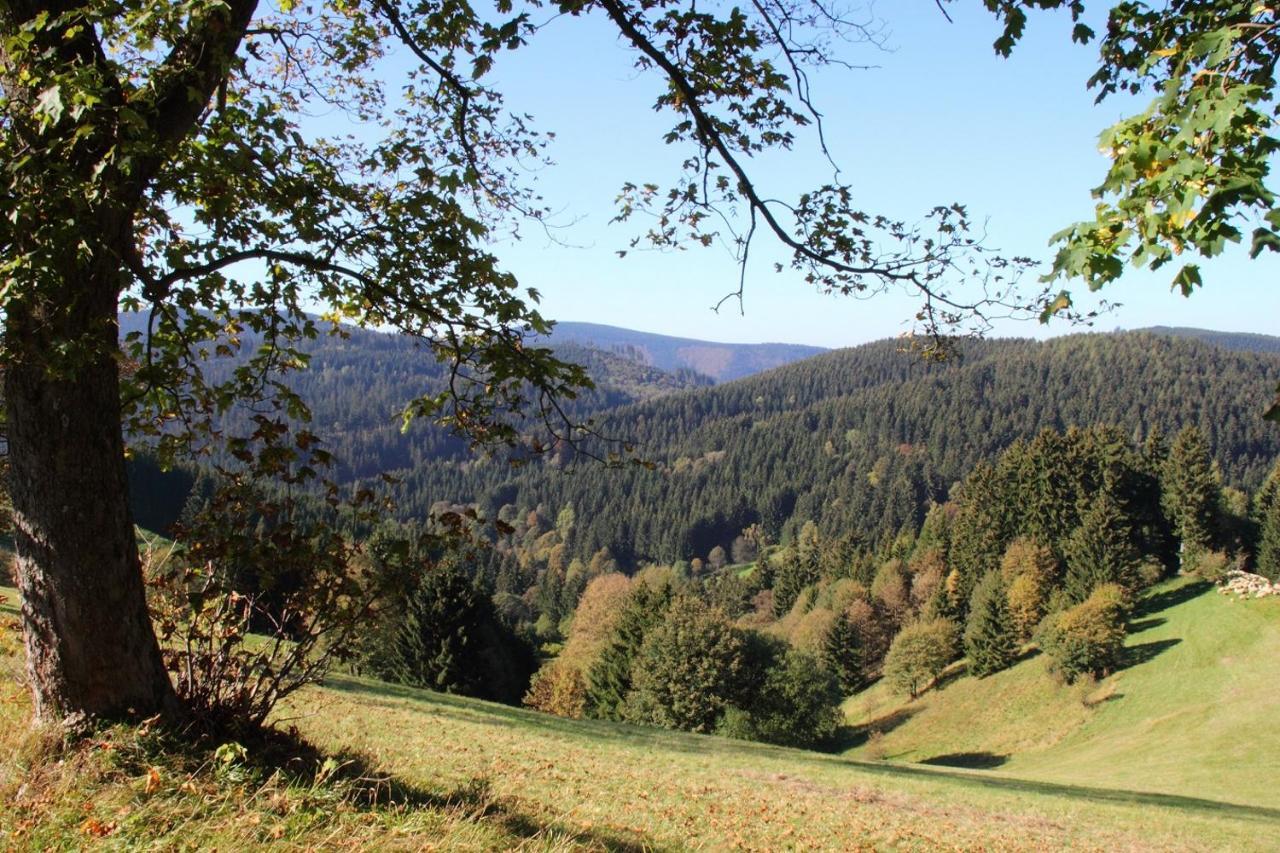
1189	173
165	161
738	85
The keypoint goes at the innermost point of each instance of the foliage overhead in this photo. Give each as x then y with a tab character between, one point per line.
1190	173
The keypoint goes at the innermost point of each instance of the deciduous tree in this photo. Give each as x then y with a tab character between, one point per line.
159	158
919	654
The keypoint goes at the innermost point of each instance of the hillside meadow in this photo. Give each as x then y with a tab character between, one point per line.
1193	710
399	768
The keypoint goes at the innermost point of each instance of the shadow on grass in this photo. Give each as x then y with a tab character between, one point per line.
950	674
852	737
1132	656
620	734
1117	796
356	781
968	760
1145	625
1171	598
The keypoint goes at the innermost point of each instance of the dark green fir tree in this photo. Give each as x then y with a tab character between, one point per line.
990	637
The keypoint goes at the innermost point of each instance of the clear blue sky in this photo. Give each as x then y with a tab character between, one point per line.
941	119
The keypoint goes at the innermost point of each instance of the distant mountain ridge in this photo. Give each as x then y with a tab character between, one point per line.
720	361
1237	341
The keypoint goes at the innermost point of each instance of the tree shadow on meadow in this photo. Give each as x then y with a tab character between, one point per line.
852	737
1132	656
950	674
1145	625
968	760
1159	601
365	786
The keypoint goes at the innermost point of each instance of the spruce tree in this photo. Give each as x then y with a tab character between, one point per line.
842	653
981	529
434	638
1050	509
990	637
1189	491
1100	551
799	568
609	680
449	638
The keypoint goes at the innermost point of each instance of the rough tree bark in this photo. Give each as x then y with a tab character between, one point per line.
91	651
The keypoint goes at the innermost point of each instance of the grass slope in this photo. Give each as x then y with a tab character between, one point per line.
478	776
1193	711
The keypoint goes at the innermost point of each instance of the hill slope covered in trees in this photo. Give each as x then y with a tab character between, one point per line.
1242	341
860	440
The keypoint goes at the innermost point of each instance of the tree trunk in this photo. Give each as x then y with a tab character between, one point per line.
91	650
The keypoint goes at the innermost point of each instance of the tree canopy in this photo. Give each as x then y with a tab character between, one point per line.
158	158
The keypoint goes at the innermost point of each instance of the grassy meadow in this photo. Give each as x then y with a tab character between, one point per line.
1193	711
409	769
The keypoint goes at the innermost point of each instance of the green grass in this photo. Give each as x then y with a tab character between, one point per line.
664	789
1195	710
476	776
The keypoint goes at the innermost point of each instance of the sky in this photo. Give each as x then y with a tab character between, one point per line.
940	119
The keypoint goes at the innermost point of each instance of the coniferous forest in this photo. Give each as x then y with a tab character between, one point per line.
803	532
317	529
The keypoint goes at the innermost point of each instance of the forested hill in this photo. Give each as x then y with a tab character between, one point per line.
1242	341
722	362
358	384
861	439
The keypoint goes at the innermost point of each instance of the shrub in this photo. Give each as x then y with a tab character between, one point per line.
798	704
1207	565
689	668
558	688
1087	639
919	654
244	563
1150	572
989	636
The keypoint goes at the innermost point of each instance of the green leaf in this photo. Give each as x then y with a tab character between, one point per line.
1273	411
49	104
1061	302
1188	279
